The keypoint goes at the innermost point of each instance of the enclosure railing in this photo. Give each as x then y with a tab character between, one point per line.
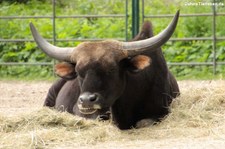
214	38
54	39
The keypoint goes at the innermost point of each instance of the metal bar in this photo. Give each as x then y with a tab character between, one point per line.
220	63
214	37
92	39
135	17
121	39
94	16
16	40
196	38
108	16
25	63
53	22
25	17
183	15
169	63
190	63
53	31
58	40
143	11
126	20
194	63
72	16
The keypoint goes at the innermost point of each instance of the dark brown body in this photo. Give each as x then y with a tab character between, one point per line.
146	94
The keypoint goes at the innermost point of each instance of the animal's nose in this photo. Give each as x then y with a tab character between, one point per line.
88	97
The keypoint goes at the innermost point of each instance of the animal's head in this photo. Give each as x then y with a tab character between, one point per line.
100	67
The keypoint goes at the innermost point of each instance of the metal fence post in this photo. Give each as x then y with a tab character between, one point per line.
143	11
53	31
135	17
214	37
126	20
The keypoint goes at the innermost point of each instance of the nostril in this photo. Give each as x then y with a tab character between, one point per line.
81	99
87	98
93	97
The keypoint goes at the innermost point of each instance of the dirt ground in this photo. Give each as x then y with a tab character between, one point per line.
17	97
20	97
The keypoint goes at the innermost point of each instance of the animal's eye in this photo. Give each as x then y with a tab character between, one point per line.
112	70
80	72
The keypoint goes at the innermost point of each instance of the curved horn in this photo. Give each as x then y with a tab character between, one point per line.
51	50
135	47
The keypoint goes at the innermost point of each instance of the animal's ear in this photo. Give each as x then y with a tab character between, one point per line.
136	63
146	31
65	70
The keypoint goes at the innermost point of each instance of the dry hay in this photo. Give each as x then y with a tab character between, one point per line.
197	120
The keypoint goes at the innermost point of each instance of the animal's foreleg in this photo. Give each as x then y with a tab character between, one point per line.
53	92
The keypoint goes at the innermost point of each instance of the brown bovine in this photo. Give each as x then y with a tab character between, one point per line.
130	78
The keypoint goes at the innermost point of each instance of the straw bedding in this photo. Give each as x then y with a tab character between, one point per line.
197	120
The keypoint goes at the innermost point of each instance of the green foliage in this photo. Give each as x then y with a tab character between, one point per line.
26	72
190	51
103	28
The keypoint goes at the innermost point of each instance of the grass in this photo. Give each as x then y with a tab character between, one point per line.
196	116
28	78
201	76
